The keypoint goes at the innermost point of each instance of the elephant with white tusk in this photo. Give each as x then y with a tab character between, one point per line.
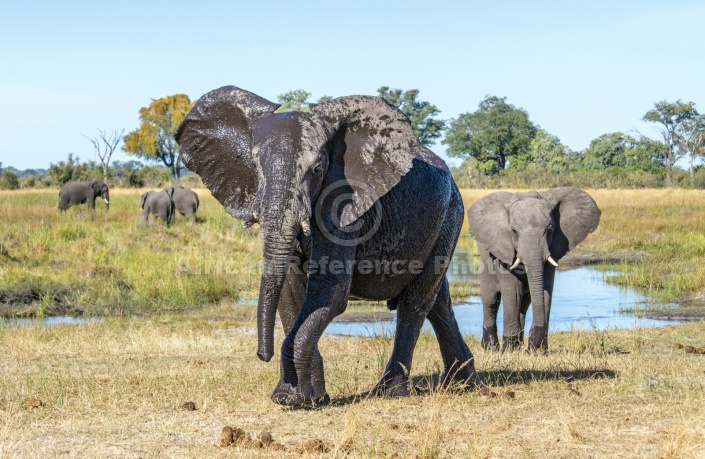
74	193
520	237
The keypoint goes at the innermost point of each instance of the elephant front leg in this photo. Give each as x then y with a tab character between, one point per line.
489	293
290	302
302	380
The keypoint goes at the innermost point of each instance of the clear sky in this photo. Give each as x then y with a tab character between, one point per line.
581	69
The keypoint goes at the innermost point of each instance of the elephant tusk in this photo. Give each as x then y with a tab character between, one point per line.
306	227
552	261
106	201
516	263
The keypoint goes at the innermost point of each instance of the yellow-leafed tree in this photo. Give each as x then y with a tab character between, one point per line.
154	140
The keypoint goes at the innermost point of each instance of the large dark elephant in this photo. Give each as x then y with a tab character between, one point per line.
350	204
185	200
158	203
74	193
521	236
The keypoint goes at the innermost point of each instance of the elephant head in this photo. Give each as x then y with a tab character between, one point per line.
101	189
270	168
533	229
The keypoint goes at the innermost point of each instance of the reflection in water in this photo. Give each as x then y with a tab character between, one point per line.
581	300
48	321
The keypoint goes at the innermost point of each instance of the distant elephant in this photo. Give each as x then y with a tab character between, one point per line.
350	204
185	200
74	193
521	236
158	203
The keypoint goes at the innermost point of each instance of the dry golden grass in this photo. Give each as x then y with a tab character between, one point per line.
116	389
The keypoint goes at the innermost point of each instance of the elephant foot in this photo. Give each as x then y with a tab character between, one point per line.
511	343
392	386
538	341
490	342
289	395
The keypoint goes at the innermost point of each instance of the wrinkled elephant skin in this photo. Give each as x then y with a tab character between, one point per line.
337	193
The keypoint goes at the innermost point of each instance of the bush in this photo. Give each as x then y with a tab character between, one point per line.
9	180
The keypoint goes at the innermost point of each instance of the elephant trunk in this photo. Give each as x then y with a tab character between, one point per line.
279	235
534	260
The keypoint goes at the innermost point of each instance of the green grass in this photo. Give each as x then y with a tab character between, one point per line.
98	263
102	263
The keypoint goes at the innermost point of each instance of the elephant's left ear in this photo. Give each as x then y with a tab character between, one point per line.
576	215
372	147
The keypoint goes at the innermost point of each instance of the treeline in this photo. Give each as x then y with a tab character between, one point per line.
127	174
499	145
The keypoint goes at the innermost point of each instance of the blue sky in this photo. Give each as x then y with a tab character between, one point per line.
581	69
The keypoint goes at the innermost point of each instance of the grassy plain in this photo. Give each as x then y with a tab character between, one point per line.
174	335
116	389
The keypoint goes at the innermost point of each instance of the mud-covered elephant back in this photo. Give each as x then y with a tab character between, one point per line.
216	143
372	143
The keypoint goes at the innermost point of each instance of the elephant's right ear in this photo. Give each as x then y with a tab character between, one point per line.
216	143
489	224
144	197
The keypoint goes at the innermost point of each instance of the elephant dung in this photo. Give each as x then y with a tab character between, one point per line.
232	436
678	346
312	445
485	391
689	350
189	406
701	350
34	403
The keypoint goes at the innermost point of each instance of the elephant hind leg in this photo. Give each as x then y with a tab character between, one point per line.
458	361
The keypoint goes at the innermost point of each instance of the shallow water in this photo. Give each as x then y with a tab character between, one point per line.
581	300
49	321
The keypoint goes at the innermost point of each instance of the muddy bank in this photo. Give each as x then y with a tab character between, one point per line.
578	258
682	313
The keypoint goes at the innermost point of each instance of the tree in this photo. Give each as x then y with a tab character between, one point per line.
9	180
422	114
546	152
104	146
495	134
691	137
618	149
154	140
294	101
671	115
72	169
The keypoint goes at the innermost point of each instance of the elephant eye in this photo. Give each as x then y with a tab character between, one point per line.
514	230
318	169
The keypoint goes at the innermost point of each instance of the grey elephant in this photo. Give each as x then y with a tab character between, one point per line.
75	193
185	200
350	204
158	203
521	237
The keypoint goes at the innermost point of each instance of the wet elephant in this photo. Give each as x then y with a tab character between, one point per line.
337	193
